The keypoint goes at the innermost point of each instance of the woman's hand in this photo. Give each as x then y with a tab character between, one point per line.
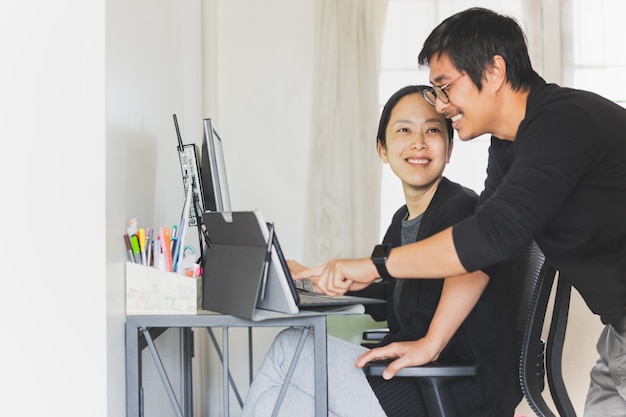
413	353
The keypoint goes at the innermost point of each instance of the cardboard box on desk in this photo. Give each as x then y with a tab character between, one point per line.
150	291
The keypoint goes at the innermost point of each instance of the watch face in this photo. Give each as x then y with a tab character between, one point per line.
380	253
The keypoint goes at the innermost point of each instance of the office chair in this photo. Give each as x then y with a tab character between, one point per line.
535	306
534	279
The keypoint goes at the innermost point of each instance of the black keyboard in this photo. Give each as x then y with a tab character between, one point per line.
305	285
311	299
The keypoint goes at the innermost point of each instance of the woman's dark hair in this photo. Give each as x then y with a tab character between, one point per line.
472	38
391	103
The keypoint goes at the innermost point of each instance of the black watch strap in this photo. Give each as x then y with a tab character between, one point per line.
379	258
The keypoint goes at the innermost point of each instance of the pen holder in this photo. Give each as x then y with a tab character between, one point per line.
150	291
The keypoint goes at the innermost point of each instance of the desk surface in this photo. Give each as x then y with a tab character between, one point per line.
211	319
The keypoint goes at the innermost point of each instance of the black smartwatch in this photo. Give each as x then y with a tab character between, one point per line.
379	257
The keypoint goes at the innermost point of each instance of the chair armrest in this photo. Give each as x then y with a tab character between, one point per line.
433	369
375	334
432	380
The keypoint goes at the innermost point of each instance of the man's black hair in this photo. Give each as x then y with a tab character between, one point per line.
472	37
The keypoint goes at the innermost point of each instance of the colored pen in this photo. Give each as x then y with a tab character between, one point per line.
129	249
134	243
141	234
177	243
156	258
149	247
164	236
173	240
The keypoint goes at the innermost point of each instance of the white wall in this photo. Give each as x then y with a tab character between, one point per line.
264	70
153	67
53	353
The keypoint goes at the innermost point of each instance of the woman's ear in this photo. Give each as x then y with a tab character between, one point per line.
450	146
382	152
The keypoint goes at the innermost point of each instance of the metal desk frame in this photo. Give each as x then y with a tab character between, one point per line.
146	327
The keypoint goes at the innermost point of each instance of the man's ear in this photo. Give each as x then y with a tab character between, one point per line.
495	72
382	152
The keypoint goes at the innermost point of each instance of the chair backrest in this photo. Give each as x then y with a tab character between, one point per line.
556	338
535	278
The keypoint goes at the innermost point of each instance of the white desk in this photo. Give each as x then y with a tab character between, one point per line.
139	330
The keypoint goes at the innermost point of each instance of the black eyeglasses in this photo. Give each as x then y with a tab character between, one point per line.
438	92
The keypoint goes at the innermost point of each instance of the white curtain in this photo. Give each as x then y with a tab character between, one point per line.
344	180
593	44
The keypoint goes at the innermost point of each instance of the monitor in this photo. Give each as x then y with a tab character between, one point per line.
213	171
190	169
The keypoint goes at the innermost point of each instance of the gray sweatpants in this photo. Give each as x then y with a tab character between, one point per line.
349	393
607	392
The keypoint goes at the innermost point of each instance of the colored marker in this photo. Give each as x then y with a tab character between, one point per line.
129	249
173	240
164	236
176	244
141	234
149	247
134	243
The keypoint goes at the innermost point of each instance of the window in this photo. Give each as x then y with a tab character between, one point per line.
593	47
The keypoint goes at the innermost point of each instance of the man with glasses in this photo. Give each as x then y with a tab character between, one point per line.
438	92
556	174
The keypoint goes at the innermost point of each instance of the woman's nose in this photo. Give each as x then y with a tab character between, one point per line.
418	142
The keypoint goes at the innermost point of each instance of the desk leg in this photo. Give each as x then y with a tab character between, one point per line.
250	364
321	370
133	373
187	336
225	371
221	358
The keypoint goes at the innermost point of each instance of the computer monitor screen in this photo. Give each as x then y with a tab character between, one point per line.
213	171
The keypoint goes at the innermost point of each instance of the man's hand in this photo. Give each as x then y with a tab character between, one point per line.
340	275
295	267
413	353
